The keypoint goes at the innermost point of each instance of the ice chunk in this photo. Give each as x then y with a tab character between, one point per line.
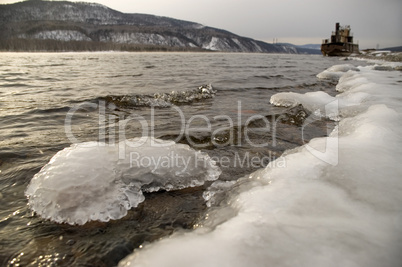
335	72
216	192
342	68
383	68
320	104
352	84
349	81
95	181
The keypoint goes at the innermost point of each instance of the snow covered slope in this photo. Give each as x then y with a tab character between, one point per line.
80	21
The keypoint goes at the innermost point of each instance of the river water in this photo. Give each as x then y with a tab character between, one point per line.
51	100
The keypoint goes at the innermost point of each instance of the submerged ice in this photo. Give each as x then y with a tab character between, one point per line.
164	100
310	212
96	181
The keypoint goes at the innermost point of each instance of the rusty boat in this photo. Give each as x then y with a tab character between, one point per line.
340	44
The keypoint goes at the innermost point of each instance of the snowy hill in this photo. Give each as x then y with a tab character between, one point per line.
63	25
304	49
311	46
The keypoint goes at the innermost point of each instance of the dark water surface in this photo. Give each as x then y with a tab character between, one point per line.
49	100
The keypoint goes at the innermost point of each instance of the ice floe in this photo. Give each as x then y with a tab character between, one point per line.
96	181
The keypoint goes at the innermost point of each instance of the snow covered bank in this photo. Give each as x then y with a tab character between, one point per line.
380	56
311	213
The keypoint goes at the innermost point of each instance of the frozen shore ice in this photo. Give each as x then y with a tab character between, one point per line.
336	71
311	213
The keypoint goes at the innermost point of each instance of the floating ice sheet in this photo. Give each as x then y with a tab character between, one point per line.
95	181
310	213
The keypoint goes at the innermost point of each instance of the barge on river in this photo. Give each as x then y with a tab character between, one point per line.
340	44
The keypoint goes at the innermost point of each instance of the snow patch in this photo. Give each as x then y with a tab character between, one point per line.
141	38
213	44
60	35
257	47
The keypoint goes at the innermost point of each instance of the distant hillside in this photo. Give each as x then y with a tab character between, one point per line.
37	25
305	49
311	46
393	49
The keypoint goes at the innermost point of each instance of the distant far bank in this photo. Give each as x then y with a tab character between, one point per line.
37	45
49	45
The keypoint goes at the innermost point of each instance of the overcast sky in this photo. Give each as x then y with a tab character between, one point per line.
296	21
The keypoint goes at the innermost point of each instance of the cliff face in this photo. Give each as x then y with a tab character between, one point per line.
42	21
